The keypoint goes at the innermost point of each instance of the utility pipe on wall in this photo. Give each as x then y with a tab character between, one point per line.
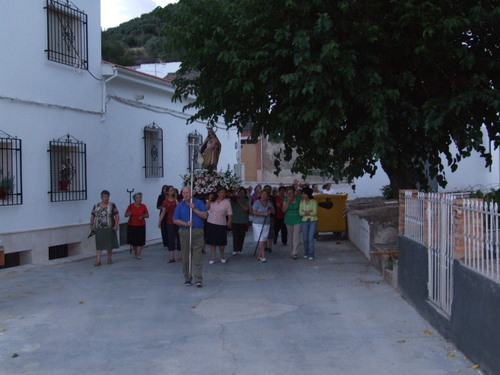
115	74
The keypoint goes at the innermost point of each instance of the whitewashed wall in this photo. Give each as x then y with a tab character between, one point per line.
26	72
125	123
472	173
42	100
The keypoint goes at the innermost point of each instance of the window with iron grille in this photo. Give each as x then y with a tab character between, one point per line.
153	151
11	186
195	140
67	34
68	169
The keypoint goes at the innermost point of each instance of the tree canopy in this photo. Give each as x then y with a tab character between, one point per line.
345	84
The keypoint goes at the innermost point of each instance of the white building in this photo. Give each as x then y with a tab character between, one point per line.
159	69
58	101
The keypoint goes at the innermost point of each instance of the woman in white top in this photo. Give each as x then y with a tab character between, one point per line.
327	189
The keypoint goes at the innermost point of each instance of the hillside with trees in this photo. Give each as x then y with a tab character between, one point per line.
137	41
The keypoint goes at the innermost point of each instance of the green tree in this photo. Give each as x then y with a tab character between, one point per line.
347	83
154	47
114	51
136	41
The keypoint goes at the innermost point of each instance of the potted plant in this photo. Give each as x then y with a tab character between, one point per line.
6	185
66	173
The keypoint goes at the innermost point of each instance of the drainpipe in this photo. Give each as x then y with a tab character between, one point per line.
115	74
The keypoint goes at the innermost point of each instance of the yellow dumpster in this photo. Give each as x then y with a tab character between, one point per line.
331	213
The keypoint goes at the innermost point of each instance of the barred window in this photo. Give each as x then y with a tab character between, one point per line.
195	141
11	186
153	151
68	169
67	34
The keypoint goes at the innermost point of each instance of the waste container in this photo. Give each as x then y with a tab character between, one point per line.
331	213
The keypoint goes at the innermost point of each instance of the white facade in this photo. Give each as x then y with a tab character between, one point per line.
159	69
471	175
42	100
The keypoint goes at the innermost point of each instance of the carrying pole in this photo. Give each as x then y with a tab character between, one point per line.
193	148
261	230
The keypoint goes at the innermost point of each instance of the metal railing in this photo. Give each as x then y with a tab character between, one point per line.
440	250
67	34
11	176
482	237
68	169
453	227
414	217
153	151
435	220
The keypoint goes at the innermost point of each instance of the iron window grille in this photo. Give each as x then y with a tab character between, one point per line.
11	178
67	34
195	140
68	169
153	151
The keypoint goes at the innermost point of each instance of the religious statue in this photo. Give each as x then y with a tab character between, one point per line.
210	149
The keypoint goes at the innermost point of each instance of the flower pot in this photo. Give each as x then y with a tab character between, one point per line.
3	195
63	185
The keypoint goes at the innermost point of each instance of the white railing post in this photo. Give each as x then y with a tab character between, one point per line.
467	229
481	235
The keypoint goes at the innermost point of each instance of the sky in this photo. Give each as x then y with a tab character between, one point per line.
115	12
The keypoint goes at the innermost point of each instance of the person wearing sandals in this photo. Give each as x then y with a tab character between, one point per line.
185	220
239	227
270	236
170	231
308	209
262	209
136	228
104	220
292	219
217	224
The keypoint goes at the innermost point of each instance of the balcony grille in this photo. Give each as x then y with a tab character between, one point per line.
153	151
68	169
67	34
11	177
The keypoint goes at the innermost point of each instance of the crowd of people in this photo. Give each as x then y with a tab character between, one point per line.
283	212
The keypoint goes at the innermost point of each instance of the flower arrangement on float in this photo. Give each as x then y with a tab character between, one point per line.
206	182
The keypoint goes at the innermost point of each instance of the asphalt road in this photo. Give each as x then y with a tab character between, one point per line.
333	315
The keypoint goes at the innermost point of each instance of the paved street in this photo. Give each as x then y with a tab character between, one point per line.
333	315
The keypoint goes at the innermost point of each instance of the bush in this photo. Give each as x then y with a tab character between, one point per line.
492	196
387	192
